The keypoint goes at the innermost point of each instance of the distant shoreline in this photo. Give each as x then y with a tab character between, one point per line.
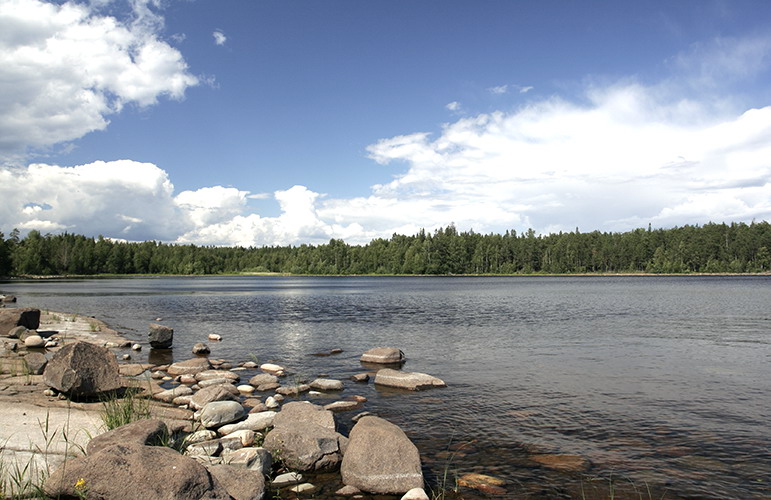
289	275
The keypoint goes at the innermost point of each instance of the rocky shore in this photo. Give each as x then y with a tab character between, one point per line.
212	428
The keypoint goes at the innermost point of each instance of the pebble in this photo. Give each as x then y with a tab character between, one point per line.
304	488
245	389
136	347
271	402
215	337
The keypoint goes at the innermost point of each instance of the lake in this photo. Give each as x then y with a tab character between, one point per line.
662	385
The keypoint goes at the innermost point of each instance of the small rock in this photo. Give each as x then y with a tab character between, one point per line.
51	344
287	479
271	402
214	381
189	367
415	494
36	362
326	384
249	365
136	347
360	377
253	422
34	341
262	379
168	395
348	491
272	369
215	337
200	436
339	406
303	488
126	357
383	355
17	332
218	413
245	389
293	390
212	374
570	463
200	349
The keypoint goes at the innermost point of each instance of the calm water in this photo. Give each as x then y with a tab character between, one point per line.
659	382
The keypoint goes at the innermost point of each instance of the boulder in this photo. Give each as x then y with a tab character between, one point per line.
11	318
305	446
326	384
82	370
134	471
161	337
142	432
36	362
304	435
240	484
200	349
221	392
262	379
189	367
412	381
302	411
380	458
383	355
219	413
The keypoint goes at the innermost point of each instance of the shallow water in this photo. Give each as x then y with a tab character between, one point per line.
660	383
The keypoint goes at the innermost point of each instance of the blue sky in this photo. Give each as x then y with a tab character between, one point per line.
251	122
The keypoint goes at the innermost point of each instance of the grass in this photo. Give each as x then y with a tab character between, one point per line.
118	411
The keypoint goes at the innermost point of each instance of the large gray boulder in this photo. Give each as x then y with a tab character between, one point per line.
304	436
411	381
306	447
142	432
161	337
380	458
218	413
383	355
13	317
82	370
134	472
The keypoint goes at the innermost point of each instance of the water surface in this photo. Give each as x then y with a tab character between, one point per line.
658	382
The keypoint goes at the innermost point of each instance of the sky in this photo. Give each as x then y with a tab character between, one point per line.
252	122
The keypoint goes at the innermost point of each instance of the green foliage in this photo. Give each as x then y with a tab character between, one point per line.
712	248
118	411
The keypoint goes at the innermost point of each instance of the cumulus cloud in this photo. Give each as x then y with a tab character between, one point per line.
65	68
627	157
219	37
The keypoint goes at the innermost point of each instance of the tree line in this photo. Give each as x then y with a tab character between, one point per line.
710	248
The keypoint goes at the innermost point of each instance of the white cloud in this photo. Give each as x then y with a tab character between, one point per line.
64	68
500	89
453	106
219	37
526	89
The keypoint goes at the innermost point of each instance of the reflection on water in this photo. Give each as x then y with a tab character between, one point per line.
646	382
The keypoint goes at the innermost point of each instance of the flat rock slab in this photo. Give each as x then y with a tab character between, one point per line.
412	381
383	355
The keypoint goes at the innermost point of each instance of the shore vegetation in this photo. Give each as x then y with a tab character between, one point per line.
711	248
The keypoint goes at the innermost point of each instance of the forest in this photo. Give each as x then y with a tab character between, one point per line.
710	248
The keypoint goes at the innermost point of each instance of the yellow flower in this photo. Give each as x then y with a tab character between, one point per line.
81	484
